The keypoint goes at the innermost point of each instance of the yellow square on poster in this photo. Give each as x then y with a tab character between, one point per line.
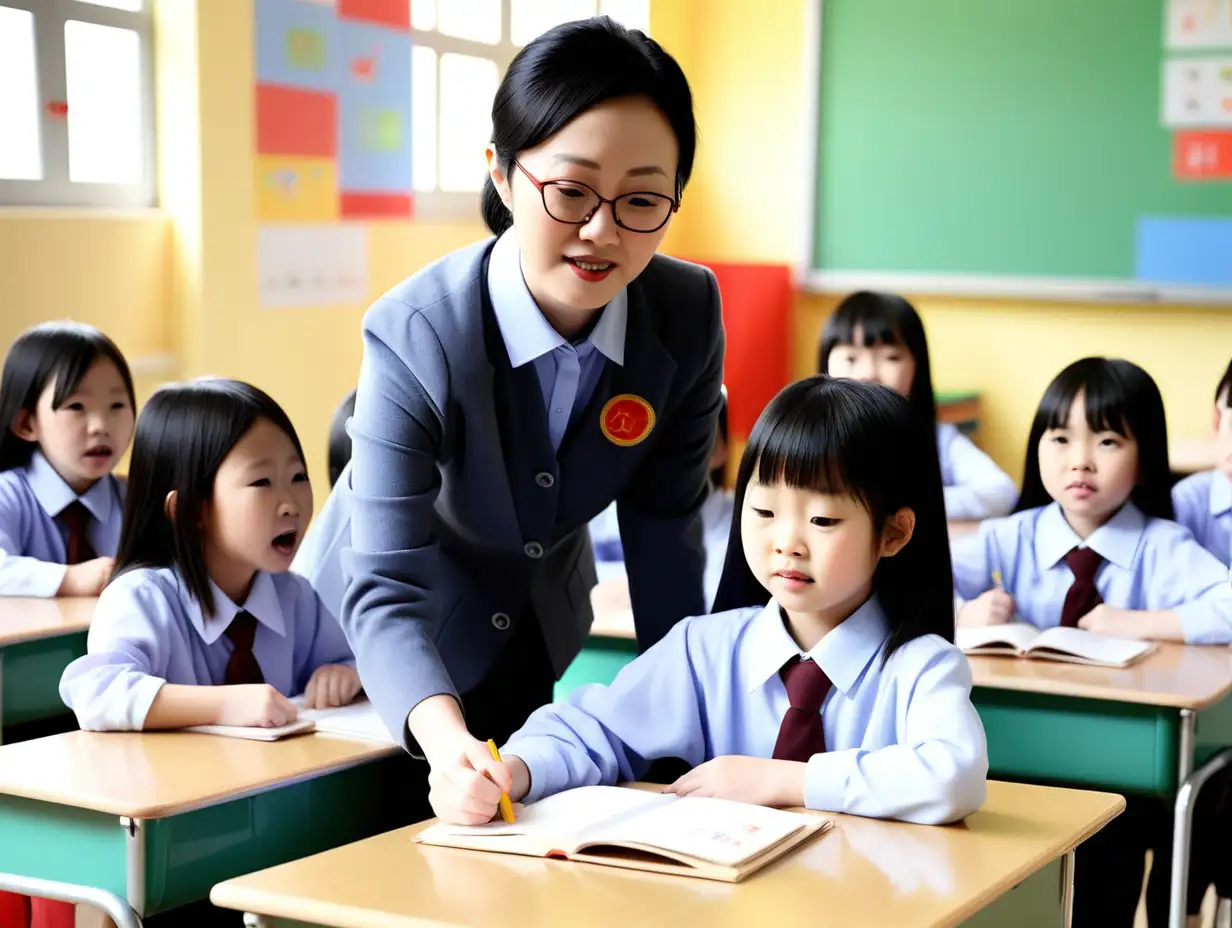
296	188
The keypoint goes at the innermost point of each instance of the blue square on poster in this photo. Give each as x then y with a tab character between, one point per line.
374	109
297	44
1189	251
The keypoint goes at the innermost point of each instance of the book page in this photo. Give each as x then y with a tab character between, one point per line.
575	812
357	720
1017	635
719	831
1092	646
298	727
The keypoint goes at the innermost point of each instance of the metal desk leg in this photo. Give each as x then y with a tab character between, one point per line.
115	907
1067	889
1182	823
134	863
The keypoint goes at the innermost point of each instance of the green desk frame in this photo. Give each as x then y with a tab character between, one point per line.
30	674
1061	740
133	869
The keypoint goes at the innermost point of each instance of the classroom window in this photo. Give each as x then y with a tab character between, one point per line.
76	103
461	51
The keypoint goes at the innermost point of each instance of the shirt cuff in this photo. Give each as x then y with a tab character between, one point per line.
826	778
140	697
1206	621
548	772
35	578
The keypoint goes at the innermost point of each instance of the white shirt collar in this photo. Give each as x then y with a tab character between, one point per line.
1116	541
262	603
1221	493
54	495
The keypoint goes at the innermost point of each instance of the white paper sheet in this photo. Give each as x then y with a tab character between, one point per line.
312	265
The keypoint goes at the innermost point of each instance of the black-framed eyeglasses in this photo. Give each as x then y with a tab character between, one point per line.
574	203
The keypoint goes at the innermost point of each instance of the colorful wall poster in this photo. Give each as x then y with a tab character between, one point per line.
1202	155
1199	24
1183	250
1198	93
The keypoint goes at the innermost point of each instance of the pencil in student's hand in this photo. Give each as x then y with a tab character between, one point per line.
996	579
506	807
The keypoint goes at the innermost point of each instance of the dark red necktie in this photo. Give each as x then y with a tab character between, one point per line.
242	666
800	734
76	520
1082	596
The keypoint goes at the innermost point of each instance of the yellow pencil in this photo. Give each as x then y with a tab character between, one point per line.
996	578
506	807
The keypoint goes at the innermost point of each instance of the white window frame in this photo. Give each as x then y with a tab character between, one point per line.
55	188
449	204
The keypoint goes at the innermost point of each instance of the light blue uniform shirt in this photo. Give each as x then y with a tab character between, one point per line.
32	542
904	740
567	372
1148	564
147	630
1203	505
716	529
975	487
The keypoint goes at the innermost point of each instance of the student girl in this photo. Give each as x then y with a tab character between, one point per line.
1204	501
203	625
834	685
514	389
66	418
1092	544
880	337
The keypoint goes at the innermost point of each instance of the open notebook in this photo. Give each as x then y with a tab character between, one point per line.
357	720
716	839
1073	645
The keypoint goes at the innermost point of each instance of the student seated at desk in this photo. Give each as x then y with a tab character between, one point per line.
202	596
1204	501
716	528
839	642
880	337
1092	545
66	418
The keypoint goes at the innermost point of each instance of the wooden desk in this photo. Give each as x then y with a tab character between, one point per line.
1155	728
865	872
38	639
138	824
1191	455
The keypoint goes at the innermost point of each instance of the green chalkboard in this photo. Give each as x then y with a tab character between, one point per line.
1018	138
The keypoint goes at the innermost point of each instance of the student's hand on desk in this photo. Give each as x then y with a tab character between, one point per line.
463	795
330	686
87	578
255	705
1144	624
996	607
745	779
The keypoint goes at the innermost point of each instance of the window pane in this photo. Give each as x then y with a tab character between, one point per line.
632	13
477	20
102	68
134	5
468	85
531	18
20	155
423	117
423	15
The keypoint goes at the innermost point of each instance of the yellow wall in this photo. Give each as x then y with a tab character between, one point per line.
746	62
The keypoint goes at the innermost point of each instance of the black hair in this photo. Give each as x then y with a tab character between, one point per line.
183	435
570	69
717	475
339	440
59	352
831	435
1119	397
1224	390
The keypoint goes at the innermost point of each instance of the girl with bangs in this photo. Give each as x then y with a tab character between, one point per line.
829	680
879	337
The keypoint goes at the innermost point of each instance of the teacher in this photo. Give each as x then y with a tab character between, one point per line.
512	390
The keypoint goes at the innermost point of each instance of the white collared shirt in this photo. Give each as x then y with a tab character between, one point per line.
1204	506
32	541
903	739
148	630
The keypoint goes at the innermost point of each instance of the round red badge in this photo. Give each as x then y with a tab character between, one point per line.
626	419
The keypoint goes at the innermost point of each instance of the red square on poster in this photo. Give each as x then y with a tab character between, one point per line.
393	13
1202	155
296	122
353	205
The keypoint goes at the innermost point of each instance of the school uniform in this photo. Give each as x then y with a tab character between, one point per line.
35	526
1147	564
483	443
975	487
716	529
148	630
1203	504
901	737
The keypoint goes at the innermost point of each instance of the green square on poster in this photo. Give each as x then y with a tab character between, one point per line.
380	129
306	49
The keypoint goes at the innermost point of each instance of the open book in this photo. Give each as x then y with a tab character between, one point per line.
1073	645
716	839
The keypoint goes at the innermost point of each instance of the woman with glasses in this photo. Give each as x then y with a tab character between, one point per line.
515	388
